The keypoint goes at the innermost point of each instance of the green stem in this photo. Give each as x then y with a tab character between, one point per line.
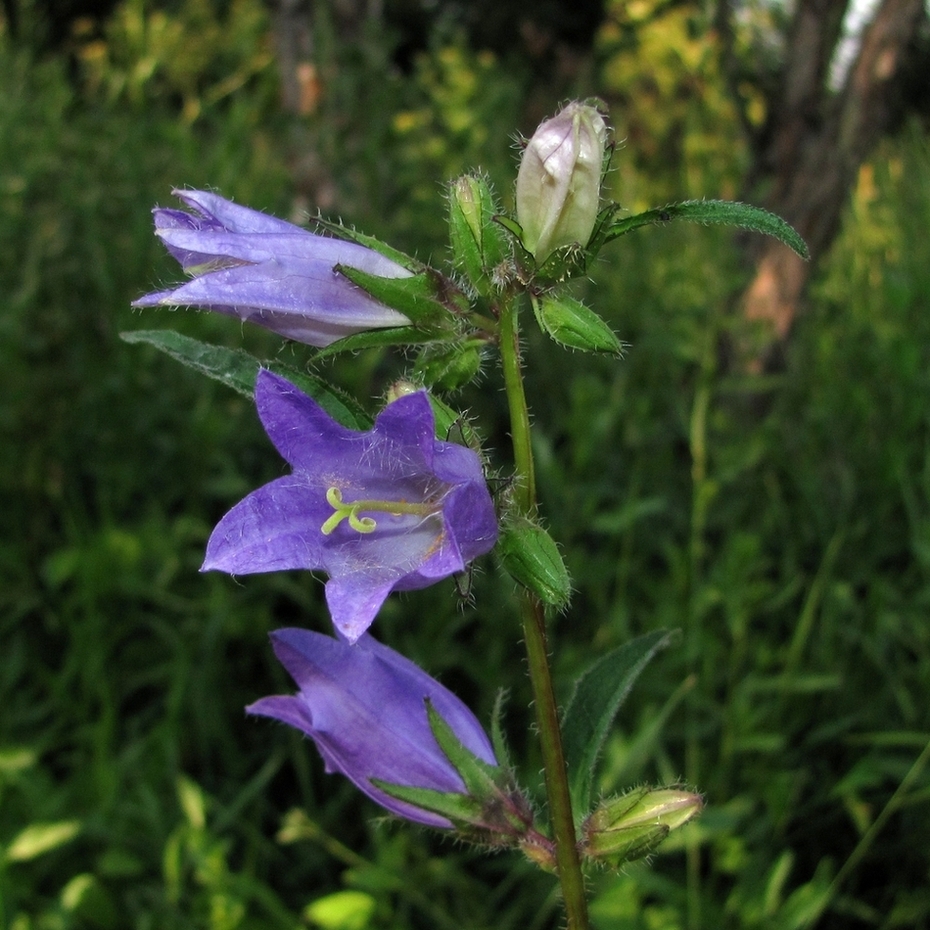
533	619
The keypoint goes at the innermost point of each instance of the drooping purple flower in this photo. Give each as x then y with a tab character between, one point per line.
253	266
365	708
391	509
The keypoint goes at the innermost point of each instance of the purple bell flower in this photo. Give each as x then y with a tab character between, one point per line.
391	509
365	708
253	266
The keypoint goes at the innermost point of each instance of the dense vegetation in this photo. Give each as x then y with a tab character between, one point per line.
782	524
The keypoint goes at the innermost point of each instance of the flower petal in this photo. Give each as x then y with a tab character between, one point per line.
275	528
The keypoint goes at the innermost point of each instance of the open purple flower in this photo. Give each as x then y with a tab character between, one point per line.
391	509
365	708
247	264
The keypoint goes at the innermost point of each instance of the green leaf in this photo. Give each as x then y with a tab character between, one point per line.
501	750
571	324
39	838
718	212
531	557
452	426
598	695
461	809
238	369
513	227
232	367
481	778
342	910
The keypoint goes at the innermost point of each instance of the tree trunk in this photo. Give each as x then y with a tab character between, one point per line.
811	148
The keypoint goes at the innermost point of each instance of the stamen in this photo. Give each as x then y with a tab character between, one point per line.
343	511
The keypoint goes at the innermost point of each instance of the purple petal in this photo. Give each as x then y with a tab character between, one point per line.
306	288
296	246
297	425
275	528
219	212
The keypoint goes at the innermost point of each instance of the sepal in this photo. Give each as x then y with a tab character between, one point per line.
571	324
492	810
532	558
418	297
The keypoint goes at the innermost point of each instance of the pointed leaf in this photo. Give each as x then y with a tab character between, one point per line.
512	226
238	369
39	838
452	426
497	731
720	212
480	777
599	692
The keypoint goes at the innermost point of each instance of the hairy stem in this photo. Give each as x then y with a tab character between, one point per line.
532	616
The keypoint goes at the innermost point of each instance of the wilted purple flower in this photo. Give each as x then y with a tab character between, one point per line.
391	509
365	708
247	264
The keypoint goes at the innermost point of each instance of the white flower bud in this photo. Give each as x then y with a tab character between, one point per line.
558	185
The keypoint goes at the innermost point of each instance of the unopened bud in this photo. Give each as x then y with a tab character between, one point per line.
632	825
558	185
479	244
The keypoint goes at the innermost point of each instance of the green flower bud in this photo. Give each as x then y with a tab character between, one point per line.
631	826
558	185
480	245
531	557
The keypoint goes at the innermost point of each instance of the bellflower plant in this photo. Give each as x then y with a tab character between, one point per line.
398	506
390	509
266	271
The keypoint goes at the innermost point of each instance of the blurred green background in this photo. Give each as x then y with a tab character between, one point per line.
782	522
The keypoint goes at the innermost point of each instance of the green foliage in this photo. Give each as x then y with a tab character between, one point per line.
792	547
191	55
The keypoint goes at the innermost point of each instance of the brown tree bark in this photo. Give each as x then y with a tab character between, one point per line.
811	148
